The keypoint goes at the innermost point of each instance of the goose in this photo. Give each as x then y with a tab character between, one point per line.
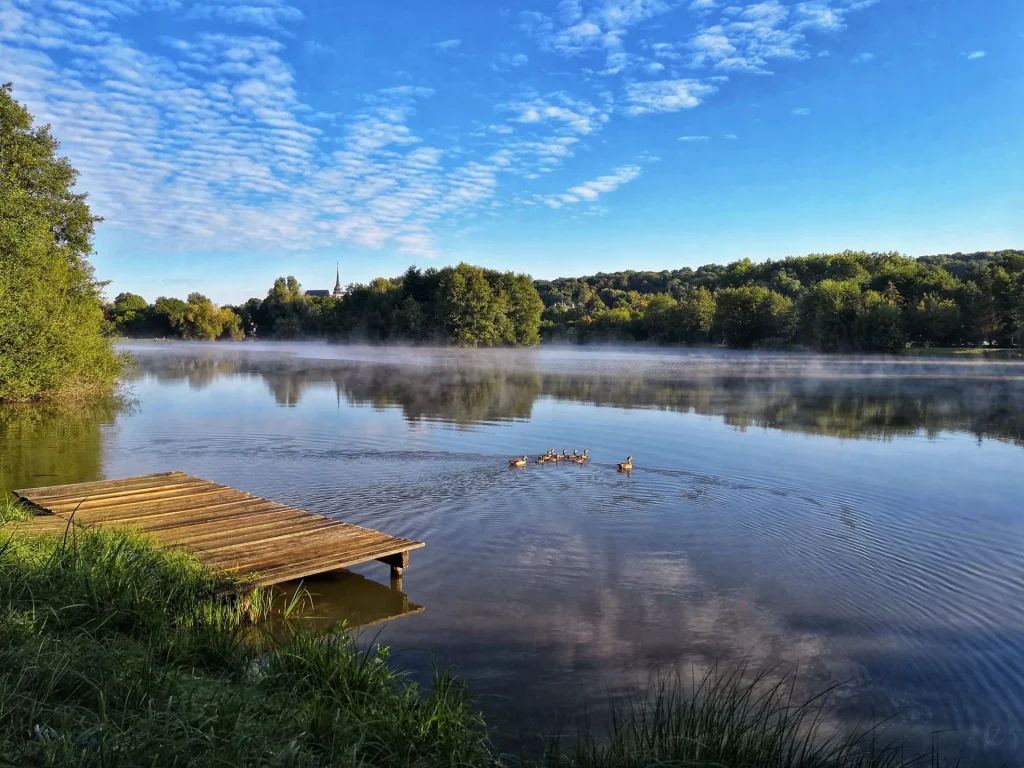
563	456
582	459
627	465
517	462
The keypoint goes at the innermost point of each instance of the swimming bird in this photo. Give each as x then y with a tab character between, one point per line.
627	465
561	456
517	462
582	459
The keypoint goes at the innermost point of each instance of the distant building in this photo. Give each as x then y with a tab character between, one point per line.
338	291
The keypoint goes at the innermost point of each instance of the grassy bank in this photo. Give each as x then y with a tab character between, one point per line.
113	653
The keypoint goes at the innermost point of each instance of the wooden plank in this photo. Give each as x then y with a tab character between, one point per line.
193	503
180	513
230	518
275	559
209	540
295	536
321	565
97	486
150	497
255	553
241	562
115	498
252	554
116	489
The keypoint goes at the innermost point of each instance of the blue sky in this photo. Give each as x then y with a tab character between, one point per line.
227	142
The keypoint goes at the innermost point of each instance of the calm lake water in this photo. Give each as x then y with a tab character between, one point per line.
860	518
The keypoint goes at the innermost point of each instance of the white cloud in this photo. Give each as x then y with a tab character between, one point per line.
507	61
693	138
748	37
666	95
592	190
975	55
862	58
702	5
575	115
802	111
448	45
822	54
271	14
731	136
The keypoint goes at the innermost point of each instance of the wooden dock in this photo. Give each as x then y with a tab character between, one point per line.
231	531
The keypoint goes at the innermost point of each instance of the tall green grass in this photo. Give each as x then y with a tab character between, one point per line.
12	510
113	652
727	717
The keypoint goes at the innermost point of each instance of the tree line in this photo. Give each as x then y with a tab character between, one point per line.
463	305
831	302
880	302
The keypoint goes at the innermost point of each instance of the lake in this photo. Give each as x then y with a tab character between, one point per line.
861	518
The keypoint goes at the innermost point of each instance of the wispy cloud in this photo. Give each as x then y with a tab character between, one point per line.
509	61
731	136
802	111
448	45
575	115
590	191
271	14
975	55
693	138
747	38
666	95
863	58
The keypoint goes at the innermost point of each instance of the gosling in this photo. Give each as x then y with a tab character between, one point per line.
517	462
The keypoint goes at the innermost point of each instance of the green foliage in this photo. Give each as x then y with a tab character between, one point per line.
196	318
753	315
931	301
51	320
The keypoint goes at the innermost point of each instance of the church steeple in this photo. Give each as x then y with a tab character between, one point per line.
337	282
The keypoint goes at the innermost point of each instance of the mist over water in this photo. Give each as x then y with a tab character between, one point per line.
859	517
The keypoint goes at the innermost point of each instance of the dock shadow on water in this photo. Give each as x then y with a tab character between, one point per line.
856	519
343	597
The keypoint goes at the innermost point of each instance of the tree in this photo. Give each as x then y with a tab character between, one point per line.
130	314
879	328
51	316
829	312
660	317
936	321
284	309
466	299
524	311
696	316
752	315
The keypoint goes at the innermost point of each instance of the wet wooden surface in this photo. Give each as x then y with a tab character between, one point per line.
230	530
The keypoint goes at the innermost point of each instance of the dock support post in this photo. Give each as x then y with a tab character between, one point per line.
397	562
